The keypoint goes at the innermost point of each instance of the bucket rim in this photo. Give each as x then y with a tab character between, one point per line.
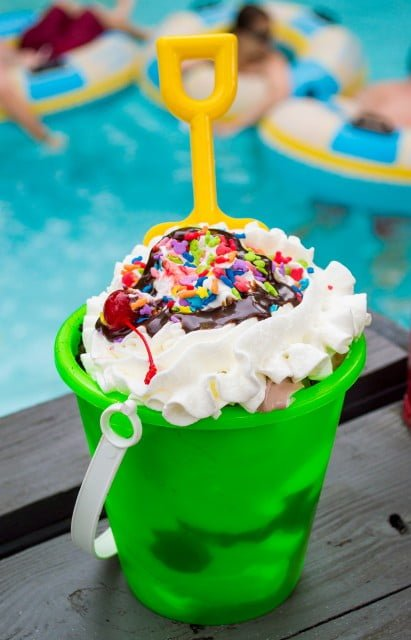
235	417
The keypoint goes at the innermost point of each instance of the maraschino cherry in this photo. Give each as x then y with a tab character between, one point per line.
117	311
119	315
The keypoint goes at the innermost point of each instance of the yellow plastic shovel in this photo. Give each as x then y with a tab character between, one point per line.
222	50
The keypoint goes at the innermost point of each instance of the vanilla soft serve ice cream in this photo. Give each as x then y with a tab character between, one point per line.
225	316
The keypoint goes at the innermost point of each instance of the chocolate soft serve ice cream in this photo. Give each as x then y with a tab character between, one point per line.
240	316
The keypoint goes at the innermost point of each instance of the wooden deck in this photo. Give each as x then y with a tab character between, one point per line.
357	578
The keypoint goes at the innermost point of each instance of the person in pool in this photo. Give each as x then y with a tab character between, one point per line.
389	101
258	56
66	26
13	102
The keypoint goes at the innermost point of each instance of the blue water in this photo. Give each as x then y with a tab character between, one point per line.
66	218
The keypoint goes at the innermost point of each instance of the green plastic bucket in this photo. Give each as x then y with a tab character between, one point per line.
212	521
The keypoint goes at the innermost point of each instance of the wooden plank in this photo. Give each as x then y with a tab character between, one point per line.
381	352
43	453
383	379
386	619
43	457
355	557
391	330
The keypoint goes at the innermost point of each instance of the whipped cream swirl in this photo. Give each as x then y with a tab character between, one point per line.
201	371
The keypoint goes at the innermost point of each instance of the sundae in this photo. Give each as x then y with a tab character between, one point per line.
206	317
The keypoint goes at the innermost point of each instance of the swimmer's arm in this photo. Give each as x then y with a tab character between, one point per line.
7	54
139	33
26	58
250	118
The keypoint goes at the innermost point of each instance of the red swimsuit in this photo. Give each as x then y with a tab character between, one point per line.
61	31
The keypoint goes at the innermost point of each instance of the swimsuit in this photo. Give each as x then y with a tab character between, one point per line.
61	31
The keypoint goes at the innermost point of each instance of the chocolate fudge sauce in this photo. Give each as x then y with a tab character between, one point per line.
256	303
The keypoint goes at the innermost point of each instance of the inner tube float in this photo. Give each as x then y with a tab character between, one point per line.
335	156
102	67
326	58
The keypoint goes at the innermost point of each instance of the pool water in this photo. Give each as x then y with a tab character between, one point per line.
66	218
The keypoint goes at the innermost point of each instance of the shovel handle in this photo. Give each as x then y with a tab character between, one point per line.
221	49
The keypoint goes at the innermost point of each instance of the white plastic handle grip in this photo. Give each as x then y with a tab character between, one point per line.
98	479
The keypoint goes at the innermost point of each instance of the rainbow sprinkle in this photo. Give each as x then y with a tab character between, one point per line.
206	268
